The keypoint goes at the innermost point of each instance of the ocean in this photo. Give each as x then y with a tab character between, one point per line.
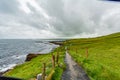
14	51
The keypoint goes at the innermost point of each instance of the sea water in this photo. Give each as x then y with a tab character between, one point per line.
14	51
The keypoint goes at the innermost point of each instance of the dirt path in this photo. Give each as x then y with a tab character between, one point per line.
73	71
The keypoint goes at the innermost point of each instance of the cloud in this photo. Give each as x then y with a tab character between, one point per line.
58	18
9	7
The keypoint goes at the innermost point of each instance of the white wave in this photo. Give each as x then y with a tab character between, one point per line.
19	56
7	67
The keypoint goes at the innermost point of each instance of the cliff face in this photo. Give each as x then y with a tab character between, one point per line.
31	56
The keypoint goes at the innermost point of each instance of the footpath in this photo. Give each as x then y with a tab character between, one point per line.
73	70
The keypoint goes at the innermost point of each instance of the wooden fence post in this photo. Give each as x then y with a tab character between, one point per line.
86	53
44	70
57	57
53	61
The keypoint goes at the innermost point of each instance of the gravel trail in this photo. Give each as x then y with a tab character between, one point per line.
73	71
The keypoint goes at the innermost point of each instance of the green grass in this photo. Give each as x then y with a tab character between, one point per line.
29	70
103	62
61	67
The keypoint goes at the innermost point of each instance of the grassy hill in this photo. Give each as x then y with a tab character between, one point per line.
102	62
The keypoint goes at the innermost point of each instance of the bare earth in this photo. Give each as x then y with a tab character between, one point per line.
73	71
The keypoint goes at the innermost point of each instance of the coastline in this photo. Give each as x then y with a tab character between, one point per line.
33	56
2	73
60	43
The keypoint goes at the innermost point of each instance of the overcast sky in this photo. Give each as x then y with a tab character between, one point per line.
58	18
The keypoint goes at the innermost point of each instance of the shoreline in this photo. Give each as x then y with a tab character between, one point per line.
60	43
2	73
53	42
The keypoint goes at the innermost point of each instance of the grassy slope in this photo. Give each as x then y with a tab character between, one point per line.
30	69
103	62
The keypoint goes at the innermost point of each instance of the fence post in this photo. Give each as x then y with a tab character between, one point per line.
53	61
86	53
57	57
44	70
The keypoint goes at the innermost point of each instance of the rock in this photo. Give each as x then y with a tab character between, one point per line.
1	73
39	76
31	56
57	42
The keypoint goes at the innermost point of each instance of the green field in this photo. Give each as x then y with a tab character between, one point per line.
102	63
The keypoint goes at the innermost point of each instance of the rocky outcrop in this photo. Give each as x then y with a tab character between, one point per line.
39	76
57	42
31	56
